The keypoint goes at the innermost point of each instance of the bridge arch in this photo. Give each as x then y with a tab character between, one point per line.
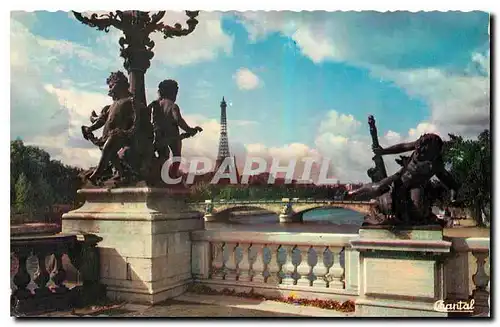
229	209
301	210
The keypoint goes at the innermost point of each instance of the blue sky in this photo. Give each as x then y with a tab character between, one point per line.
298	83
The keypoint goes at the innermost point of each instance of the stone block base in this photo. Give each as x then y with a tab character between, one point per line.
209	217
401	272
290	218
144	297
145	252
387	308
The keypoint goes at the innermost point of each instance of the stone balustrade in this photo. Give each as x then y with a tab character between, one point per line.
468	272
276	263
40	282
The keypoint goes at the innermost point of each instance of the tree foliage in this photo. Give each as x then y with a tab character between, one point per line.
205	191
37	182
470	163
24	194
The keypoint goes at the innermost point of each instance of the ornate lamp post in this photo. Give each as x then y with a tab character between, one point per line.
136	46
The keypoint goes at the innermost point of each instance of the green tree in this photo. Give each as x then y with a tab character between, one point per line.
51	181
24	195
470	163
44	194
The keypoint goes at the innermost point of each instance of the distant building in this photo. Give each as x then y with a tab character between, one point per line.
352	187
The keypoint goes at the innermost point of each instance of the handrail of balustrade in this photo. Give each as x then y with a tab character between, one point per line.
282	238
470	244
232	201
83	254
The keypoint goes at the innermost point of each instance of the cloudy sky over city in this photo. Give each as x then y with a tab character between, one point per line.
298	84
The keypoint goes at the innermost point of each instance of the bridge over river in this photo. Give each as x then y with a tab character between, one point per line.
289	210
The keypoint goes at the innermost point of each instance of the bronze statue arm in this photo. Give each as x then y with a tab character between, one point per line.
176	113
104	113
447	179
97	124
397	148
99	121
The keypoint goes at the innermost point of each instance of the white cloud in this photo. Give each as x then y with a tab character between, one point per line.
349	149
57	147
79	105
246	80
242	123
297	152
421	129
338	123
483	62
392	137
314	47
459	103
377	38
205	43
382	42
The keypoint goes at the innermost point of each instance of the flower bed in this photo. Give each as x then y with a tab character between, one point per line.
347	306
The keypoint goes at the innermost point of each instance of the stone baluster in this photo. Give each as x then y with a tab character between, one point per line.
273	266
201	260
244	265
258	264
320	270
336	279
232	264
22	277
42	276
481	280
218	261
289	267
304	269
59	274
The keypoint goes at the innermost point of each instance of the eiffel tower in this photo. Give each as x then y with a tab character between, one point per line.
223	140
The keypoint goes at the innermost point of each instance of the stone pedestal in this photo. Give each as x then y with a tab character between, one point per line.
209	217
401	271
283	218
145	254
287	214
209	208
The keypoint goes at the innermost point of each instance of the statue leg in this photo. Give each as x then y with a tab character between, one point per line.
147	155
109	153
176	147
163	153
374	190
116	162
